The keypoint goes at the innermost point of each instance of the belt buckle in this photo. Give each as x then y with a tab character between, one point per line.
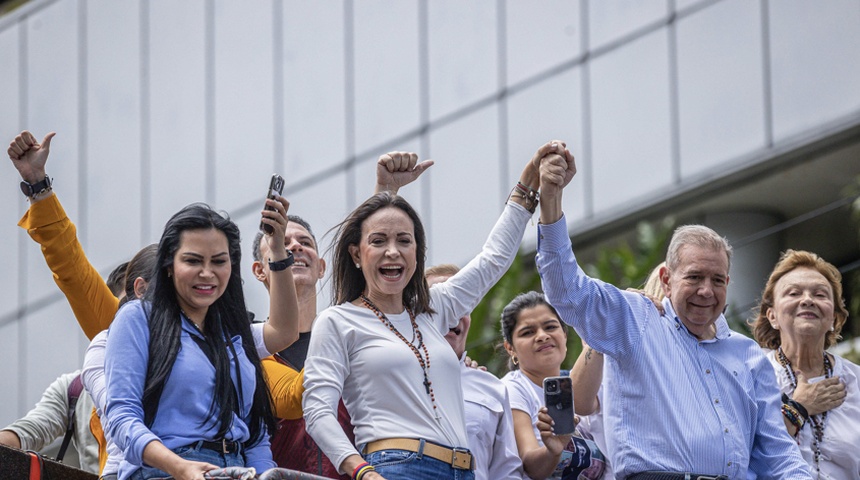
461	459
224	446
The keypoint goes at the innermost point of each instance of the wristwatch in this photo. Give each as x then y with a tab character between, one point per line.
33	189
282	264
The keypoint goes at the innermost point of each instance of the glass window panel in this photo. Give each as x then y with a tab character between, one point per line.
51	329
463	53
682	4
816	63
113	130
52	105
386	70
52	99
547	111
244	149
314	91
10	372
14	202
720	86
177	109
609	20
540	35
631	153
466	197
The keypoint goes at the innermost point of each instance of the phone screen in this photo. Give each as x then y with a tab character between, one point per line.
276	187
558	397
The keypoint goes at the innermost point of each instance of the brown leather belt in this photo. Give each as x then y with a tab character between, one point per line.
458	458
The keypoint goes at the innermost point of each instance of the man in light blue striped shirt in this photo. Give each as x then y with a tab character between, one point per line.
683	392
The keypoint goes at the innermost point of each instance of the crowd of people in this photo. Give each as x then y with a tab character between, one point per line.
181	381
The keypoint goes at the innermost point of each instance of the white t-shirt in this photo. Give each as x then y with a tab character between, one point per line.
353	355
490	426
840	450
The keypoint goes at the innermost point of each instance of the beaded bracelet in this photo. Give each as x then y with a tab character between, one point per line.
793	416
797	406
530	196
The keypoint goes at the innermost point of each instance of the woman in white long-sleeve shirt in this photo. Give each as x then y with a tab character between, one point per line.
382	346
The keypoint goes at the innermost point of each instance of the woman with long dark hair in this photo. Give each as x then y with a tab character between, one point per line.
186	392
382	346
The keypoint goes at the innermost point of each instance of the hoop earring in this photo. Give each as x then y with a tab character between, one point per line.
515	360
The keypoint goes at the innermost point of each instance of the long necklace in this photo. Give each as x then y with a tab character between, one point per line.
818	421
423	361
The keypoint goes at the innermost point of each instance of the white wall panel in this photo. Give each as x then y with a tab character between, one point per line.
10	372
113	131
386	70
465	193
314	86
816	62
13	201
244	103
631	153
610	20
551	111
53	66
463	53
540	35
177	109
52	348
720	85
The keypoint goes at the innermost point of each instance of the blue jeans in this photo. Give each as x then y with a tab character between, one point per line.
196	453
406	465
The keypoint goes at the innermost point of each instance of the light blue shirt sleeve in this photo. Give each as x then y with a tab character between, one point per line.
126	358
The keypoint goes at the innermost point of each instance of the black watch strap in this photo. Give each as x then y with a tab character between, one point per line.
33	189
282	264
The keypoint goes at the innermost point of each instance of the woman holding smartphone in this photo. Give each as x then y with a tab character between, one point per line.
185	391
536	340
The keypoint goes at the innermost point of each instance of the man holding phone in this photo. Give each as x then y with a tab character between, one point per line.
685	396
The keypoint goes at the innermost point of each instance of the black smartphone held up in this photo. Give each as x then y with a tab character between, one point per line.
276	186
558	397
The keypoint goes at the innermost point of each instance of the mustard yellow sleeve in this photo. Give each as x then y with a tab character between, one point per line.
285	384
92	302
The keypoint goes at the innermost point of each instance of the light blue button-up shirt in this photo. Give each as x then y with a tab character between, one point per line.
671	401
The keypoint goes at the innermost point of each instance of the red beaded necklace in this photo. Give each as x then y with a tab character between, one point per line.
423	361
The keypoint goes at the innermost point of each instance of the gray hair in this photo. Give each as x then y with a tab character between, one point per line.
698	236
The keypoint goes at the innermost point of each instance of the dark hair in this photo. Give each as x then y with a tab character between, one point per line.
511	314
763	331
348	282
225	318
255	247
141	265
116	279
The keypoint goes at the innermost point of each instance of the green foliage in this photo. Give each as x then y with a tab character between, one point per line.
621	265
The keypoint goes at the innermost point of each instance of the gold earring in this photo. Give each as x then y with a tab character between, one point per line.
515	360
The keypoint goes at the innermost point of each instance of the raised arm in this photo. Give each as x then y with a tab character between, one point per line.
48	225
398	169
462	292
282	329
587	375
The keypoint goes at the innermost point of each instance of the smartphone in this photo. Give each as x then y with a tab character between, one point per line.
558	398
276	187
